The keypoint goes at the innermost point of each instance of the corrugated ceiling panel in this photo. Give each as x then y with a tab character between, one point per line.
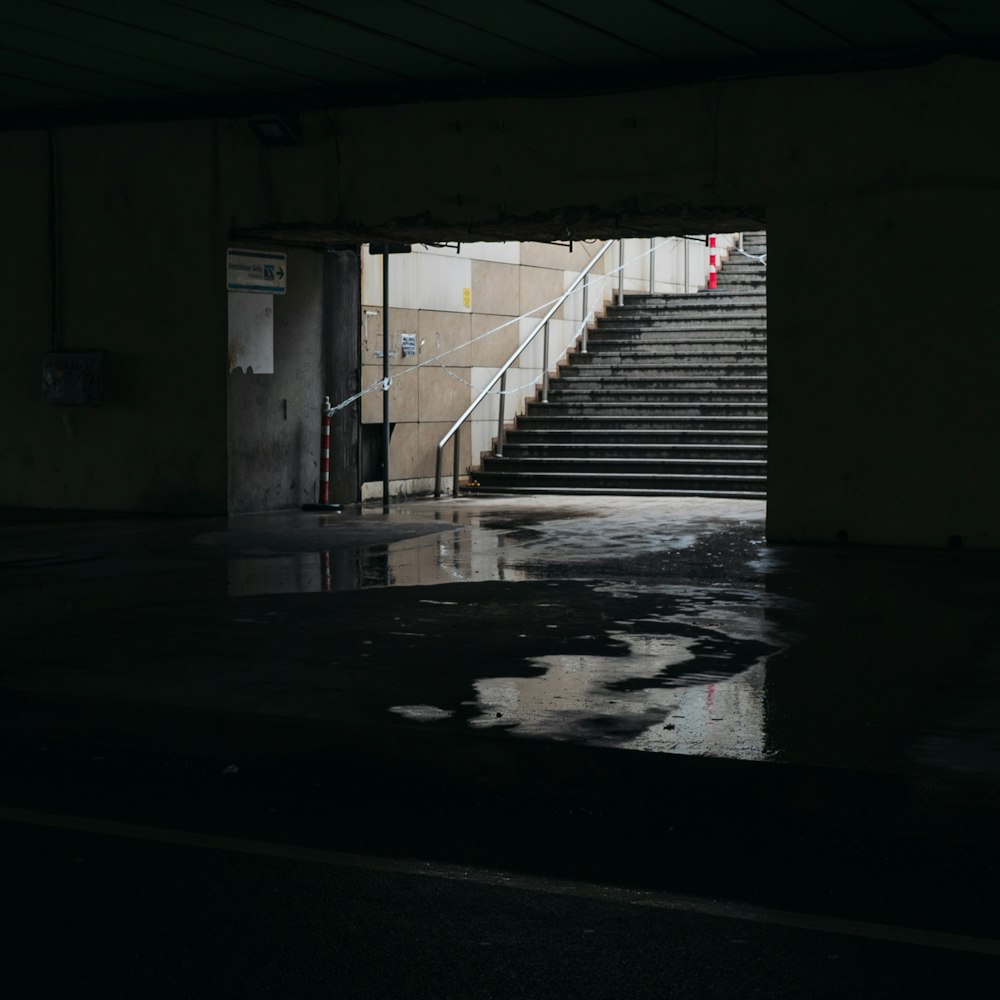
242	51
970	19
394	34
768	27
92	82
586	47
662	32
869	24
229	71
177	55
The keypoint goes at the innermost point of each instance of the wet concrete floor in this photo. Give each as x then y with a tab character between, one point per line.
554	648
658	625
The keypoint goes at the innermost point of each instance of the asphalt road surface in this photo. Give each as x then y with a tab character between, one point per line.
107	910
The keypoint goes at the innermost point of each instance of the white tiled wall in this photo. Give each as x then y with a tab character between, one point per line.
436	290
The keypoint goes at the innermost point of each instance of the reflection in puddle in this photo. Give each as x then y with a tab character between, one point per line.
690	681
447	557
659	697
421	713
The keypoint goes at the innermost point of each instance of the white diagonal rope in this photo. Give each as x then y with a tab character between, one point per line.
385	384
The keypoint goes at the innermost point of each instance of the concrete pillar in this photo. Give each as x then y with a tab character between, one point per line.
342	367
883	363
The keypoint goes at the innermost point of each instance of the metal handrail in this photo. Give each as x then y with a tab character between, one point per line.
501	375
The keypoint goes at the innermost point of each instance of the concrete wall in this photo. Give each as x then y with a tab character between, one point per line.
446	300
274	417
854	173
493	294
143	280
883	393
143	221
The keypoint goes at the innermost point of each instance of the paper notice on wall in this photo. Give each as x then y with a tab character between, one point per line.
251	333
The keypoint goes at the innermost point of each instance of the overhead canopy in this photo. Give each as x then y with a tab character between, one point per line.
112	60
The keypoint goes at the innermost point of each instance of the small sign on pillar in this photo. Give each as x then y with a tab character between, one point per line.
264	271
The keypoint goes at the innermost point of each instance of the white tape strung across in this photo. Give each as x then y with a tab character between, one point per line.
761	258
384	385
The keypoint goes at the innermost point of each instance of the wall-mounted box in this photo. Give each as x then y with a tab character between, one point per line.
73	378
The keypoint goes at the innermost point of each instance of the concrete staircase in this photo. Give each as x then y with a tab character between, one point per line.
671	399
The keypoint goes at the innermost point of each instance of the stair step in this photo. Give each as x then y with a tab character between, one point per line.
626	450
731	279
669	400
682	362
559	393
659	346
755	336
645	412
723	323
633	383
485	488
613	480
640	437
626	466
689	373
642	419
734	306
693	300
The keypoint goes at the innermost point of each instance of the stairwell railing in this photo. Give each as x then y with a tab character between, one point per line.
500	377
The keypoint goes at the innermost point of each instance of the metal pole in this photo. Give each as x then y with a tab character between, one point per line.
545	364
503	390
621	272
652	265
687	267
54	221
324	455
586	313
385	382
456	462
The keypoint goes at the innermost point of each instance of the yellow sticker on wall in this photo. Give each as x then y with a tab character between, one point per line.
467	298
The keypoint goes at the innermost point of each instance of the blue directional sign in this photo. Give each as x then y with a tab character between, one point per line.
256	271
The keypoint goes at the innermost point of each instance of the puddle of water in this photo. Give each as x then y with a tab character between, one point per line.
623	702
422	713
505	546
686	676
455	557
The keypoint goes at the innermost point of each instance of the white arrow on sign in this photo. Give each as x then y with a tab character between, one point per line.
256	271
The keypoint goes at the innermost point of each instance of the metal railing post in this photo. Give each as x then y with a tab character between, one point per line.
503	396
456	462
652	265
687	266
545	363
501	376
586	313
621	272
386	426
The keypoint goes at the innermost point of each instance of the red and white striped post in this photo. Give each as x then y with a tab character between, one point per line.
713	261
324	464
324	453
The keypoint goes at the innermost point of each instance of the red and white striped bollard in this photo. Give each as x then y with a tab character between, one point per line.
324	460
712	264
324	464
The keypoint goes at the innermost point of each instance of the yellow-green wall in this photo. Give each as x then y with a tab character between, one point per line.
880	196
